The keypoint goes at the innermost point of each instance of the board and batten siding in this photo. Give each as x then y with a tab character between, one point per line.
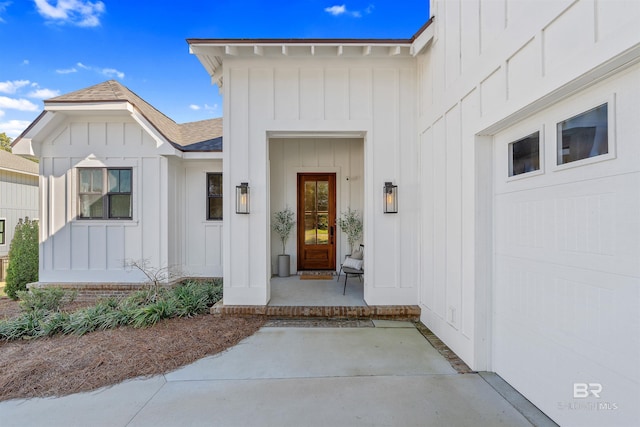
494	64
74	250
18	199
195	243
370	98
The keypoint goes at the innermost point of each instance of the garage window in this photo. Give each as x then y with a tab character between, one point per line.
524	155
583	136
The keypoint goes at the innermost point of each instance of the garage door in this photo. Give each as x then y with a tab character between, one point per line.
566	286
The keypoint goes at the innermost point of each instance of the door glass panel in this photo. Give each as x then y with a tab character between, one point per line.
309	196
309	229
323	196
323	228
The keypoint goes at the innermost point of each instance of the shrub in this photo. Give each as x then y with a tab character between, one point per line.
23	257
49	299
140	309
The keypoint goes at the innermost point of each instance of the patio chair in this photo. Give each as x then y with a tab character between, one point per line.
353	265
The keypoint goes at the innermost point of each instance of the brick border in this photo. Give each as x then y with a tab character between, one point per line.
453	359
381	312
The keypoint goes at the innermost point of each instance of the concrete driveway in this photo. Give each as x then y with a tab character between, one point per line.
387	375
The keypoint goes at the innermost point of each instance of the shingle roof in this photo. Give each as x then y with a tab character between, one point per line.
193	136
17	163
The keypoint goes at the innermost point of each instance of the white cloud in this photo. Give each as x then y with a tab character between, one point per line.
194	107
17	104
336	10
11	87
25	62
14	128
82	13
112	72
67	70
81	65
43	93
3	8
1	113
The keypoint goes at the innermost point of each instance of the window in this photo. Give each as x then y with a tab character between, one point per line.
104	193
524	155
2	231
214	196
583	136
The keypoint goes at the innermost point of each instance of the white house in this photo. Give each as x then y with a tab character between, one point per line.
510	130
18	198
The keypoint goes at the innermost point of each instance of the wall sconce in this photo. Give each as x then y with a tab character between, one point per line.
242	198
390	198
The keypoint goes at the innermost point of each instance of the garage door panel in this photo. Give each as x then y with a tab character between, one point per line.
570	307
590	228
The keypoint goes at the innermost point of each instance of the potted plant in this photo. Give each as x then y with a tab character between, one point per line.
283	222
350	222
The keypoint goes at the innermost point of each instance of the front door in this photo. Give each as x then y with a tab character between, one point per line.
316	221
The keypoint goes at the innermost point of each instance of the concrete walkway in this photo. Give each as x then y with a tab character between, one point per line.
387	375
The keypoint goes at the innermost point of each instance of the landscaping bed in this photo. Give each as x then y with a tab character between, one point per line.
65	364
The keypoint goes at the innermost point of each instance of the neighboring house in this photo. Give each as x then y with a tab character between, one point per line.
18	197
511	132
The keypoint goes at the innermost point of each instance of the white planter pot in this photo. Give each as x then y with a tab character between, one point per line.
284	263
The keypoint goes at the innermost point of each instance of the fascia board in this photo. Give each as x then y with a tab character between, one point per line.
48	122
164	147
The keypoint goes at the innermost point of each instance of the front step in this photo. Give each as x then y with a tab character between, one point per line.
374	312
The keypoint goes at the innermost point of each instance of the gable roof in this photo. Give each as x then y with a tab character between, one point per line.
203	135
13	163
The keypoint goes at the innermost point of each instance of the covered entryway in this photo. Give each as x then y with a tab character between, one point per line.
317	219
317	177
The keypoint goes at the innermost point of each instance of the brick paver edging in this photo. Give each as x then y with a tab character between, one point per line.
381	312
446	352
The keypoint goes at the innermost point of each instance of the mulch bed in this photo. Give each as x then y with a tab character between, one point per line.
64	365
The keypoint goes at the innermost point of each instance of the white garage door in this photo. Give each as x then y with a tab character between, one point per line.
566	296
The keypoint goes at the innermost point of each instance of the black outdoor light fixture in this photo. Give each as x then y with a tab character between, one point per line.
390	198
242	198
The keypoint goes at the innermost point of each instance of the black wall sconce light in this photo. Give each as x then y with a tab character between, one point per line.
390	198
242	198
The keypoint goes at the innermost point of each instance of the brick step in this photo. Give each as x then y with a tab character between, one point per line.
377	312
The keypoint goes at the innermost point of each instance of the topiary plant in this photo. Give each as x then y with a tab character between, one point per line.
350	222
283	222
23	257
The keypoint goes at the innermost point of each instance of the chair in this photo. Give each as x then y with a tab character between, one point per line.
353	265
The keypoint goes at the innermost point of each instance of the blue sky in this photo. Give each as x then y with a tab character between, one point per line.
52	47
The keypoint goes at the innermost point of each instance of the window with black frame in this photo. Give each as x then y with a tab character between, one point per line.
214	196
583	136
105	193
2	231
524	155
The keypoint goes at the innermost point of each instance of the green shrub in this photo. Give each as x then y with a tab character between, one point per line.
43	318
23	257
49	299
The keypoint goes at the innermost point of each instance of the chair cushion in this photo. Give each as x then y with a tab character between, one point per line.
357	255
356	264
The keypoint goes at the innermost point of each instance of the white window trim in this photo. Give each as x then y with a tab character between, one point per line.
583	107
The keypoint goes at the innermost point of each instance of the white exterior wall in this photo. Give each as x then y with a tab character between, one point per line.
370	98
73	250
494	64
195	242
288	157
18	199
